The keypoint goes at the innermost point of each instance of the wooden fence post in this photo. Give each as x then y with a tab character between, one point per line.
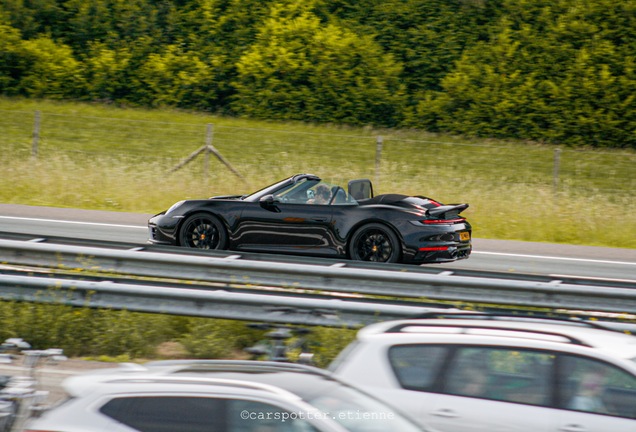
208	146
208	149
36	135
378	158
557	167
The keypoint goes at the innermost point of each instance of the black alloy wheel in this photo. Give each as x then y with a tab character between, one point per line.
203	231
375	243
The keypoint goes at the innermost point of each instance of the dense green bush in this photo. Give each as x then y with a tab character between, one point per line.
47	69
300	69
176	78
208	338
552	72
9	57
84	331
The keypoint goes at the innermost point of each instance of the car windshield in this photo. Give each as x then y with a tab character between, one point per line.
266	190
360	413
299	192
307	190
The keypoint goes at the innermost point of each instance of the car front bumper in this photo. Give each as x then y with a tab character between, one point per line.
162	230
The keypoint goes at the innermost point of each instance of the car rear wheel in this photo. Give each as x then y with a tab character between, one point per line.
203	231
376	243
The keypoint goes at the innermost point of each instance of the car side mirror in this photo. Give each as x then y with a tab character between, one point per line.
268	202
360	189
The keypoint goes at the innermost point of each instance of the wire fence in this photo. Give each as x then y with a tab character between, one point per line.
243	149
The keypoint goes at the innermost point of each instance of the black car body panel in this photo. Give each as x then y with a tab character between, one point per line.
284	218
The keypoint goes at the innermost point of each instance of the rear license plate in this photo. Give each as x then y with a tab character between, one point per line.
464	236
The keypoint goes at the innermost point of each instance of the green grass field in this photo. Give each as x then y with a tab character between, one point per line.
108	158
118	159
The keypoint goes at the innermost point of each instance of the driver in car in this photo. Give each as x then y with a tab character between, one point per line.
322	195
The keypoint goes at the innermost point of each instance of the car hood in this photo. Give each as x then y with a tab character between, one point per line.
227	197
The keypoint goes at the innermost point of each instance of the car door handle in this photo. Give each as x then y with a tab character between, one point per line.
445	412
573	428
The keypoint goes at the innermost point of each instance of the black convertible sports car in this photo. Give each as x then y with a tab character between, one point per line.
304	215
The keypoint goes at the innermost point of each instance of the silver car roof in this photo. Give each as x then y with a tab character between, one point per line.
585	334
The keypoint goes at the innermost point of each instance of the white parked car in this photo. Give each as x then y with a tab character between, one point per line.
468	373
217	396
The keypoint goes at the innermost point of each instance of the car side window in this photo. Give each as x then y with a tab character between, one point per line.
417	366
596	387
202	414
510	375
253	416
167	413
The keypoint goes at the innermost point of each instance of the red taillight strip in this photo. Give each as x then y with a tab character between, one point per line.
433	248
442	221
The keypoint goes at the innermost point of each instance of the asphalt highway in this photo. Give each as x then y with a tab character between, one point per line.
488	255
556	260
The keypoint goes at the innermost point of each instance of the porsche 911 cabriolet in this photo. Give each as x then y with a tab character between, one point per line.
303	215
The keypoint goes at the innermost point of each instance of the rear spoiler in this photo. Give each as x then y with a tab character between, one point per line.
446	211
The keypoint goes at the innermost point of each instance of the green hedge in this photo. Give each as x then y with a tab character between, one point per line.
545	70
125	335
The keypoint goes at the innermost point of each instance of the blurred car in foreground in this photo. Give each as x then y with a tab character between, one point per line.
217	396
304	215
470	372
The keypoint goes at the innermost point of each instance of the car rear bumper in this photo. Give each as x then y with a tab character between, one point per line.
439	243
442	254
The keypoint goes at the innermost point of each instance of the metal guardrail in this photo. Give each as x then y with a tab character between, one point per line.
216	303
231	272
326	262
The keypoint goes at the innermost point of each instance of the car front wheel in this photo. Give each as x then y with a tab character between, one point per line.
203	231
375	243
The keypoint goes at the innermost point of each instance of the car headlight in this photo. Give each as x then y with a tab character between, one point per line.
174	207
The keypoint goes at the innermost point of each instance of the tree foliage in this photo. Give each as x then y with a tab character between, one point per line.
557	71
176	78
43	68
303	69
552	72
